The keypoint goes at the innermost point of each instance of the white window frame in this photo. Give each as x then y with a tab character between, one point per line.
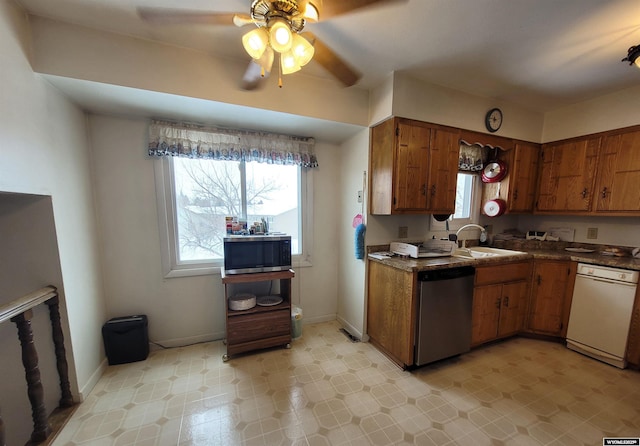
167	225
474	215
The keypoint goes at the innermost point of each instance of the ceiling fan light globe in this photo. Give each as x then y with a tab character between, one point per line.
280	36
302	50
255	42
289	63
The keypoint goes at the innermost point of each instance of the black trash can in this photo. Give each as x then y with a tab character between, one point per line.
126	339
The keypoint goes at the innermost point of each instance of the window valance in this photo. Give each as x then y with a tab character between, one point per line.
195	141
472	156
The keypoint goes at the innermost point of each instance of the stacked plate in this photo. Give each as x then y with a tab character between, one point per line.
268	301
244	301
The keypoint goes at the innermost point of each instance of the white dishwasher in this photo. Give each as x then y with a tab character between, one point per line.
601	312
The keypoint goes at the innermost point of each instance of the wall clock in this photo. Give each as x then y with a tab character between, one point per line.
493	119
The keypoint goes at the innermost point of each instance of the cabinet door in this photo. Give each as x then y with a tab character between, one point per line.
412	162
548	294
618	187
486	313
381	154
567	172
522	187
444	150
391	311
513	308
633	344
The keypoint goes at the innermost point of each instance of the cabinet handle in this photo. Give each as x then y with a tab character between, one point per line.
498	302
433	190
515	194
506	301
604	193
584	193
539	279
423	189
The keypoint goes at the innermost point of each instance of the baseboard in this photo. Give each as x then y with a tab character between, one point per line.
91	383
317	319
353	331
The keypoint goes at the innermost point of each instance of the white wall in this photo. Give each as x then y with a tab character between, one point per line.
44	152
607	112
187	309
351	271
416	99
381	101
622	231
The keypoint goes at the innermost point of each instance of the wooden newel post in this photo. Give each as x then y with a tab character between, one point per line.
41	428
66	399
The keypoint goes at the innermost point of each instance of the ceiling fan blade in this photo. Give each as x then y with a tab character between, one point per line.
168	16
252	77
332	8
331	61
257	71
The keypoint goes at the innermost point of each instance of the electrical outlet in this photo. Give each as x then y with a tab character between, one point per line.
403	231
592	233
359	196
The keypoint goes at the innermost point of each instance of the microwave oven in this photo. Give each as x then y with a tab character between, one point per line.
257	253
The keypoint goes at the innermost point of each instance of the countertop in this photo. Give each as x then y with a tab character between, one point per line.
596	258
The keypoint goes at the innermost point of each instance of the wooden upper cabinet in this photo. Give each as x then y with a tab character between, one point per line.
518	187
413	168
524	176
618	182
444	150
597	174
412	164
567	174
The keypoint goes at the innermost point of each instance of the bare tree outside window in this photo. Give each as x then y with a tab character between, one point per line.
207	191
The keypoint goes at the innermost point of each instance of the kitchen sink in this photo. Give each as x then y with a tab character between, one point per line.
480	252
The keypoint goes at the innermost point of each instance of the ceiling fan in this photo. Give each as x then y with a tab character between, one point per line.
278	32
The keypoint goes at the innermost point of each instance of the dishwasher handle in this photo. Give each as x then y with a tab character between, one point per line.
605	280
446	274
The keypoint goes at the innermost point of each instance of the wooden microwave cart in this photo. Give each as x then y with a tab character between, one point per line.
259	327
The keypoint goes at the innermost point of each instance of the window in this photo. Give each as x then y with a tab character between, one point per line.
195	196
464	197
467	204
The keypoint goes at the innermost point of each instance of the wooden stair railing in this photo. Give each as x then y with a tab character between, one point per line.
20	312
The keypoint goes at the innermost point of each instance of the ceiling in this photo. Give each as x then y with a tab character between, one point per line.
541	54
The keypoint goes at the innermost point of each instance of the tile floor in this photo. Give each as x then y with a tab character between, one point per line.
327	390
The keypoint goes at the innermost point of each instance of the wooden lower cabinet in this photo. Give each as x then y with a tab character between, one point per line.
550	302
499	301
633	344
391	311
259	327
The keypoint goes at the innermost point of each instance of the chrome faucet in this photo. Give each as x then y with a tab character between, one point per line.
470	225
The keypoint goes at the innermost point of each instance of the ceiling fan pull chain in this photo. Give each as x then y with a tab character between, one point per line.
279	73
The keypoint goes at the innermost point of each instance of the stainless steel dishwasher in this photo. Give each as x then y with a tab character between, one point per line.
444	314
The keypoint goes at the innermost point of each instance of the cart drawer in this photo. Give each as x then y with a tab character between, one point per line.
258	326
